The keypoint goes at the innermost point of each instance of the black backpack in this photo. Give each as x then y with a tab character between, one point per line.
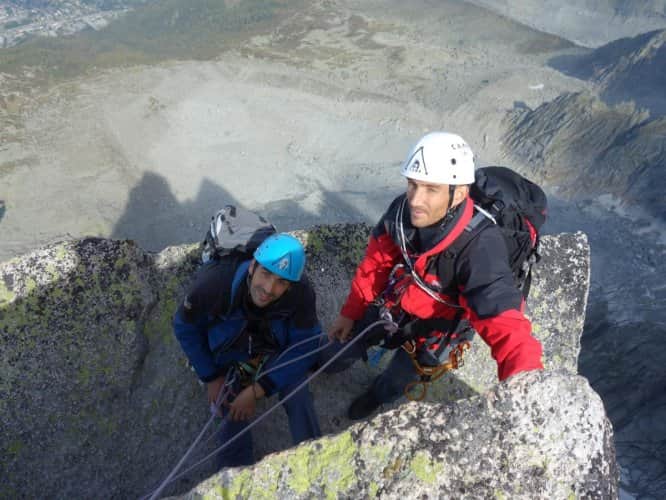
518	207
234	231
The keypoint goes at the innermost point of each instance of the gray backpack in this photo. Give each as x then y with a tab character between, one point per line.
234	230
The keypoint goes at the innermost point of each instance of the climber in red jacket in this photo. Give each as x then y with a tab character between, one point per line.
402	275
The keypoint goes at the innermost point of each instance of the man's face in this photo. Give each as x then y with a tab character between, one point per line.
427	202
265	287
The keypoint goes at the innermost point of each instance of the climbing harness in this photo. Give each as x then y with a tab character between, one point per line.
173	475
429	374
388	302
408	261
248	370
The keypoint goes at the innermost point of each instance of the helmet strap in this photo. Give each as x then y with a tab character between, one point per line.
452	192
450	210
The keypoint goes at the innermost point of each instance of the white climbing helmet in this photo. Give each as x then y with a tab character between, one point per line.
440	158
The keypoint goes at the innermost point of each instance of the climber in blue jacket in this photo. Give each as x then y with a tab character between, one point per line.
244	315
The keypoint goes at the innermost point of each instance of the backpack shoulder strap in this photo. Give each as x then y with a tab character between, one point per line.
237	267
446	261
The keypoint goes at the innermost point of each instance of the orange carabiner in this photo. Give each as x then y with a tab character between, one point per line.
410	347
430	374
409	387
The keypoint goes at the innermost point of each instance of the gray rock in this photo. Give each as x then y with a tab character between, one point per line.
89	369
97	395
537	435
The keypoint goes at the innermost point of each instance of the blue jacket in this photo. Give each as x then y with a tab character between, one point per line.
215	312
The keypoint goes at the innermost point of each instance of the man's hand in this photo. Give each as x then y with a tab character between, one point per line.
341	328
244	406
214	389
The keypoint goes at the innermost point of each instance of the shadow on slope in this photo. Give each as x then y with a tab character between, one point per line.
155	219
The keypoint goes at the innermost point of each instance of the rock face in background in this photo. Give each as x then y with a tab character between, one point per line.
609	142
96	394
540	435
629	69
610	157
583	147
586	22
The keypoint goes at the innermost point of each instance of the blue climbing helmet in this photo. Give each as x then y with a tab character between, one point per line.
282	254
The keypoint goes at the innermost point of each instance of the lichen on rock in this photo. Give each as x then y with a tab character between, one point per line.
511	442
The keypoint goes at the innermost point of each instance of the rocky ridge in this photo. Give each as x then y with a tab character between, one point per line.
585	148
629	69
117	405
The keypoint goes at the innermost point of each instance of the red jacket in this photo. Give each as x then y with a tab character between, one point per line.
486	291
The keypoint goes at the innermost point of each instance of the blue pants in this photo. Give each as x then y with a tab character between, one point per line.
303	424
390	384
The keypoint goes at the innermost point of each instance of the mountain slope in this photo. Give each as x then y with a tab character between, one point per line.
591	23
627	69
586	148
